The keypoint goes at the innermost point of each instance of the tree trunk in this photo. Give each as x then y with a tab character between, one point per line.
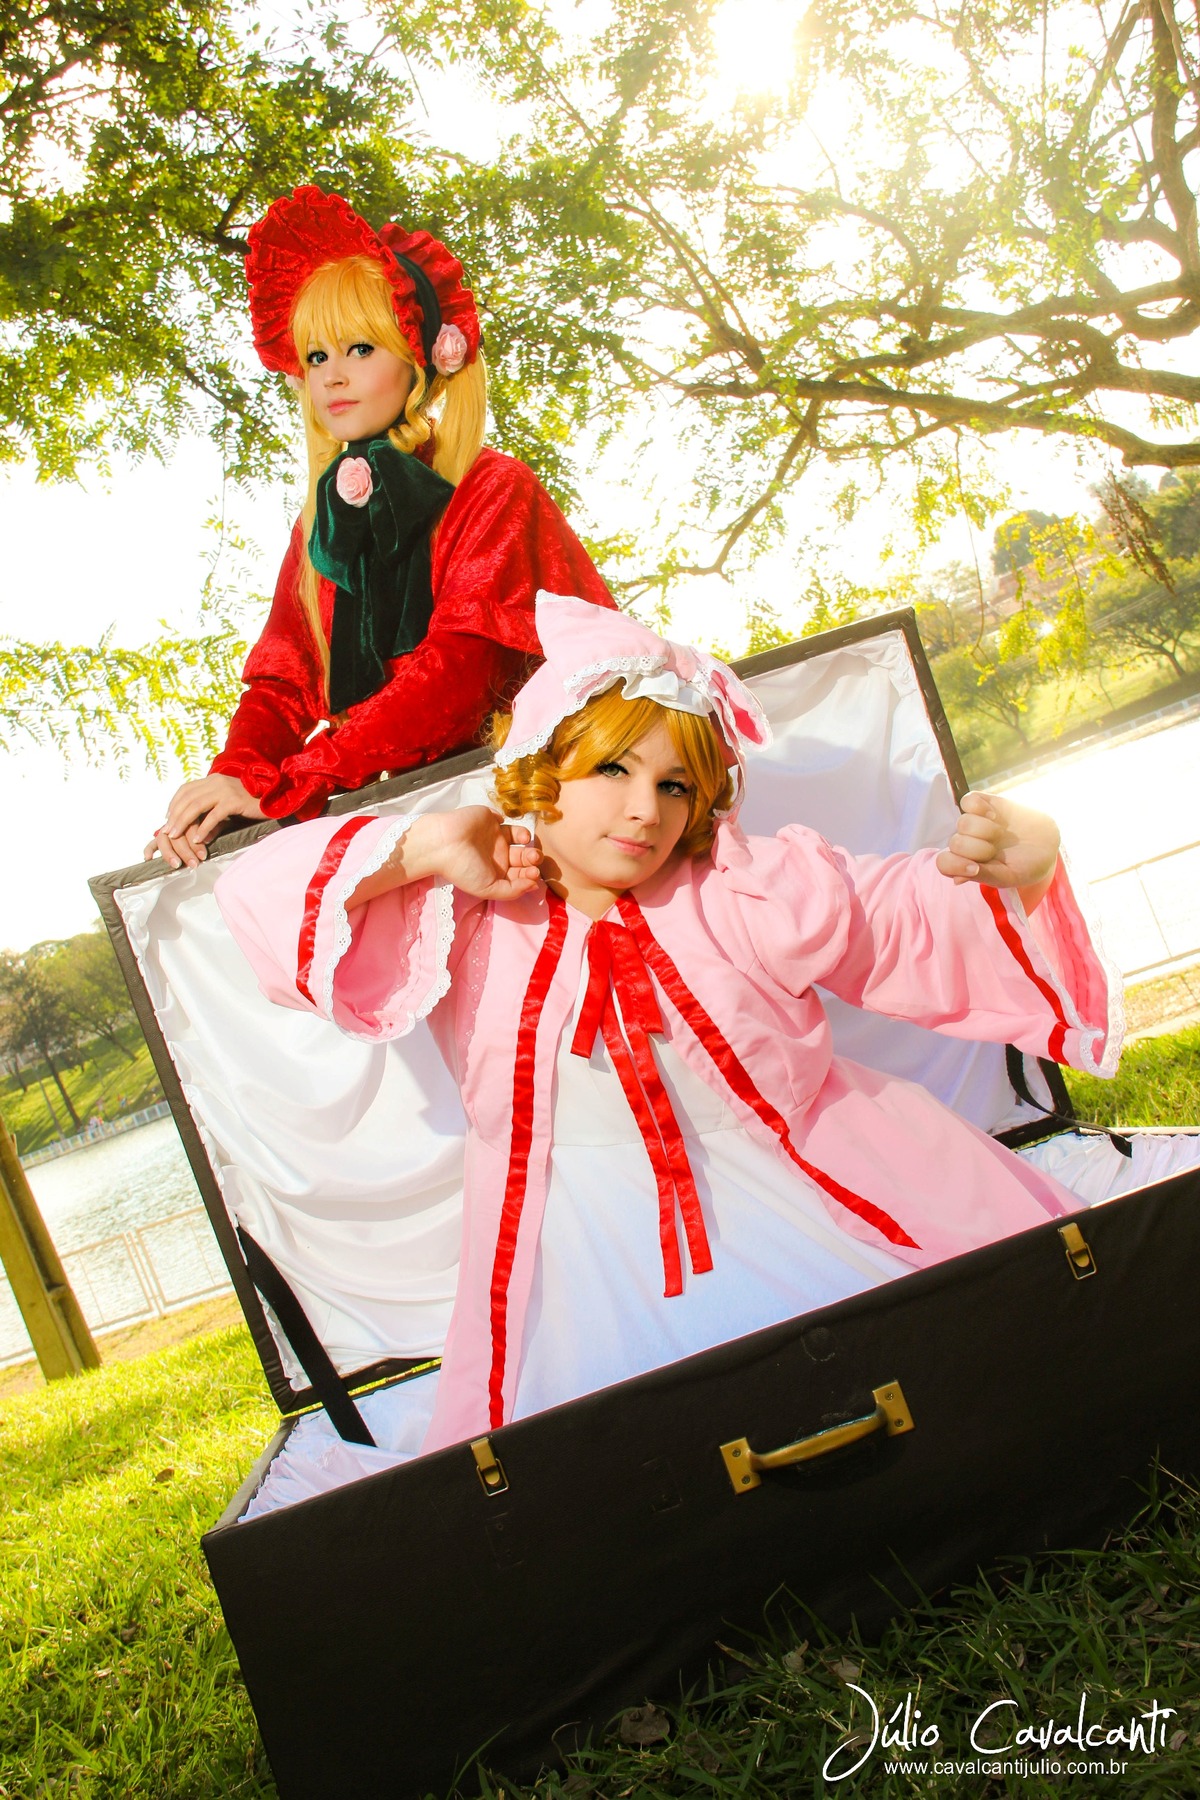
58	1082
113	1039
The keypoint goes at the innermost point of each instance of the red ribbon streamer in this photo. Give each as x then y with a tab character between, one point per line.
615	966
738	1077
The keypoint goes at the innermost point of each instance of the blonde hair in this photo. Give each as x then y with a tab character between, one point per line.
602	731
340	303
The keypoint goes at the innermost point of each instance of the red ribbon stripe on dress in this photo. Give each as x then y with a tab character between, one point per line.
739	1078
519	1146
1003	922
327	868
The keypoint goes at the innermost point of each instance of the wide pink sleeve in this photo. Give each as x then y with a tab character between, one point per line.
375	971
893	935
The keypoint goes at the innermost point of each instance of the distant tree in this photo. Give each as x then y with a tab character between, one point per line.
33	1014
1145	621
951	611
1176	514
986	683
1149	608
1011	543
85	972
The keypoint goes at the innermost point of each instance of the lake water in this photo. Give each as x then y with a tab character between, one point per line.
1130	817
122	1193
116	1184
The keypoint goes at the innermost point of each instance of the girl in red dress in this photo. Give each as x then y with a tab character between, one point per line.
403	613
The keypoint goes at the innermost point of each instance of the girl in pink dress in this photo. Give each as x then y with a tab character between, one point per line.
663	1151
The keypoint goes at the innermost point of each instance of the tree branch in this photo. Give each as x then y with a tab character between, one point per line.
803	439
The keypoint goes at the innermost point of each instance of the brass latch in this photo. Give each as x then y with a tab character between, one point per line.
488	1467
891	1416
1079	1257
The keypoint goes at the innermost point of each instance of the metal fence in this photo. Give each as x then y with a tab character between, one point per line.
91	1134
1150	913
143	1273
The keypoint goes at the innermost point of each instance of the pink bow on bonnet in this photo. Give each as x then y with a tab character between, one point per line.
590	648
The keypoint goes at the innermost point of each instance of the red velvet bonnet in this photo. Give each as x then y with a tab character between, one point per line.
302	231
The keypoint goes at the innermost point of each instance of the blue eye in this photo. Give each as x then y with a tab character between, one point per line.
315	358
360	350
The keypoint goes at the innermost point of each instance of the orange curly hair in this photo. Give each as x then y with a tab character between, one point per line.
602	731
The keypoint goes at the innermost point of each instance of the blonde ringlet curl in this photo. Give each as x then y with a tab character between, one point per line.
602	731
341	303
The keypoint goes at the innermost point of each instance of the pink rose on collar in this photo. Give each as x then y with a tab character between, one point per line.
449	350
353	481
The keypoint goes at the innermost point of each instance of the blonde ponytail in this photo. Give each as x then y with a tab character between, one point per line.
340	303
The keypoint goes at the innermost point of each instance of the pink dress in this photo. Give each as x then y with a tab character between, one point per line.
757	1175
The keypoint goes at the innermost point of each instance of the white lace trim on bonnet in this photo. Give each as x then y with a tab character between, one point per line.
678	676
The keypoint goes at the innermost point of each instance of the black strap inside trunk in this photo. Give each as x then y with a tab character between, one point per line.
1061	1106
1060	1115
310	1351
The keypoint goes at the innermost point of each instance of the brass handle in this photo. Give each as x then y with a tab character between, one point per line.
891	1416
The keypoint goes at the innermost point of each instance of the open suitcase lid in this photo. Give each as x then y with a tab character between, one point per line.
343	1160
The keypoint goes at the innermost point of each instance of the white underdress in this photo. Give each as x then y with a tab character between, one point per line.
597	1312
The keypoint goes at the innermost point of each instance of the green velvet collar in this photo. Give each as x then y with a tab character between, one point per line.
376	507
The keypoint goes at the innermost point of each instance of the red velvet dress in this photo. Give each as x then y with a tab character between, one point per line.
500	539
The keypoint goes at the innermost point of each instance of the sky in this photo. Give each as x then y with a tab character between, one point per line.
125	553
132	551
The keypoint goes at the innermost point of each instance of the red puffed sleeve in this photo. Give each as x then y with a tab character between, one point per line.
284	695
500	540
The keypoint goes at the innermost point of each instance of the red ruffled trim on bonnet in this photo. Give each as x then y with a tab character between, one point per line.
445	272
304	230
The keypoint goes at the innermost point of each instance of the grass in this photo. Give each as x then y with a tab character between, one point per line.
130	1342
1158	1083
108	1081
120	1680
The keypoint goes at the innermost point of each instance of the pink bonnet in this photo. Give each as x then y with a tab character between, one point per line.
590	648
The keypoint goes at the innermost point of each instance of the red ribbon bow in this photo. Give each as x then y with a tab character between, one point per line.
615	966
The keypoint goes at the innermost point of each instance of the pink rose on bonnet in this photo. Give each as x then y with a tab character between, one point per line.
450	349
590	648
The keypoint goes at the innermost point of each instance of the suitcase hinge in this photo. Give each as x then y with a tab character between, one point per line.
1079	1256
488	1467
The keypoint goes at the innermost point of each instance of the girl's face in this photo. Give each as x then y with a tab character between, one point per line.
358	389
618	825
